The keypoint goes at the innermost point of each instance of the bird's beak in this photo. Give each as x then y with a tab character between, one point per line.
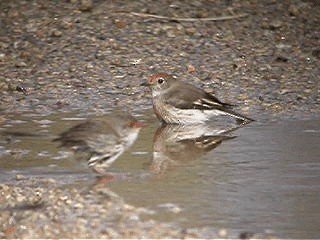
144	83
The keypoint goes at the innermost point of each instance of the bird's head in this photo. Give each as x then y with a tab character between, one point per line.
159	82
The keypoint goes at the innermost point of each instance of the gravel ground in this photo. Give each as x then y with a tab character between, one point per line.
39	209
91	56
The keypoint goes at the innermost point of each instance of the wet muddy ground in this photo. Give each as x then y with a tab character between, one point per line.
84	58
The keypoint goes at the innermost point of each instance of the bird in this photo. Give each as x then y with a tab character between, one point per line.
175	144
177	102
104	139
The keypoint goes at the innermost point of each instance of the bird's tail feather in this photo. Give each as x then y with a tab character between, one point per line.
238	116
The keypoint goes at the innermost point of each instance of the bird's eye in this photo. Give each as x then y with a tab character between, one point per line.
160	80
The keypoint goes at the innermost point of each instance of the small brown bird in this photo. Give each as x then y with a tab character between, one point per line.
104	139
182	103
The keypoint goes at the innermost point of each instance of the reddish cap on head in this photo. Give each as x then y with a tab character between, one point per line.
136	124
156	76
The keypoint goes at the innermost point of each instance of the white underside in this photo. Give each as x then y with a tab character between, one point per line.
111	152
191	116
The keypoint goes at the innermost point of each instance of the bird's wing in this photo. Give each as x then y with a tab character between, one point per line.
79	135
189	97
75	136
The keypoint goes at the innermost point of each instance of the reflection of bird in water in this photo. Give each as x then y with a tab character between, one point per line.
174	143
104	139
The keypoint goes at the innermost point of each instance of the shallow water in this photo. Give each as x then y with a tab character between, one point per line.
262	178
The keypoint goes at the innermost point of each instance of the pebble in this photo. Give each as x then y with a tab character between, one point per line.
3	86
4	187
66	23
56	33
120	24
171	34
191	68
20	177
307	90
20	199
20	64
293	10
284	91
246	235
78	205
222	233
86	5
191	30
275	24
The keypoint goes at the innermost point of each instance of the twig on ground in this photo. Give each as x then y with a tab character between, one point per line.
177	19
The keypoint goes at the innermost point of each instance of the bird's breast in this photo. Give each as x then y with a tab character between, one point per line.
157	111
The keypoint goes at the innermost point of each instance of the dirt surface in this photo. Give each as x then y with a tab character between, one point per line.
91	56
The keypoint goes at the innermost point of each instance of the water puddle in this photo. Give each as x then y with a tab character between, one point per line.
262	178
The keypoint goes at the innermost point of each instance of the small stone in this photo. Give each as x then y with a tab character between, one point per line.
120	24
20	64
51	180
86	5
136	61
275	24
56	33
284	91
72	69
190	233
281	59
4	187
66	23
155	31
171	34
4	86
222	233
89	66
4	45
293	10
191	68
78	205
283	46
209	89
202	14
246	235
191	30
20	199
20	177
63	198
276	107
308	90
